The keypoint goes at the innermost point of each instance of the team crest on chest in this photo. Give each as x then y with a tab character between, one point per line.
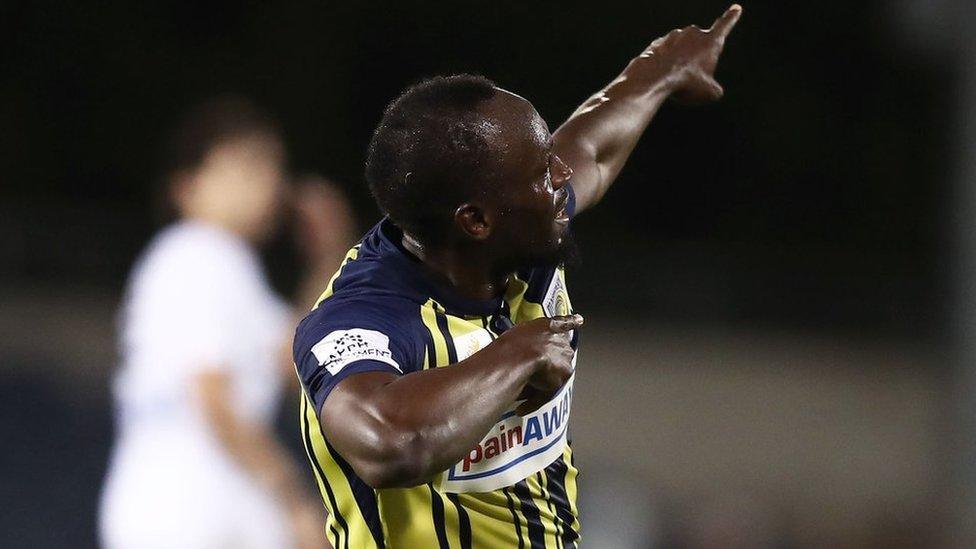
556	302
471	342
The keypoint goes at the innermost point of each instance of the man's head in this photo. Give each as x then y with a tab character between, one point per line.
458	162
226	166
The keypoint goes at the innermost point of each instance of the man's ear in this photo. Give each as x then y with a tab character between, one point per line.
472	221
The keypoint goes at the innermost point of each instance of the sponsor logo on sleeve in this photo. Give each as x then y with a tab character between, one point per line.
343	347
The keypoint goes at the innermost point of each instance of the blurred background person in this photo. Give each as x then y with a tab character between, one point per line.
204	347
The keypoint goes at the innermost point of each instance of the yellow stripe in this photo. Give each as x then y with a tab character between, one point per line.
351	255
570	485
491	520
429	317
452	522
557	529
523	520
545	515
521	308
461	327
359	532
428	314
406	514
331	523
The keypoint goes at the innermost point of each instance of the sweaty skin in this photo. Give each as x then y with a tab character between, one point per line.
598	138
399	431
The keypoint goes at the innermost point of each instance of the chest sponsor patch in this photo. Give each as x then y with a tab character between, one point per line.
515	448
343	347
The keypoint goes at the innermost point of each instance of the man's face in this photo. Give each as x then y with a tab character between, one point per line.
241	184
531	222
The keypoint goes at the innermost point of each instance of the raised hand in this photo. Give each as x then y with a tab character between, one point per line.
690	55
324	226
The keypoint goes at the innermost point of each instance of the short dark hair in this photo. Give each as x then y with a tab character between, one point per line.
430	151
211	123
205	126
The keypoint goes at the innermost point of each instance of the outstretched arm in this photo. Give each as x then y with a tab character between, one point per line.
598	138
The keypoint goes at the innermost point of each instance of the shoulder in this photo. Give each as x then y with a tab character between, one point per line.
189	251
342	337
395	319
197	273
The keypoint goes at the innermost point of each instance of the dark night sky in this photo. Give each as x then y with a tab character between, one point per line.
810	196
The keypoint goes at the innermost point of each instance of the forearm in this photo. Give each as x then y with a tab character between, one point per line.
260	453
252	446
415	426
599	136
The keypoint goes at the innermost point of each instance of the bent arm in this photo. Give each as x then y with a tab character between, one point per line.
399	431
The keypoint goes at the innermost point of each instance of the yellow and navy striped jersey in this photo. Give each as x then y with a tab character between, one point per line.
382	312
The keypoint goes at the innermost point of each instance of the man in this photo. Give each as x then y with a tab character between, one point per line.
196	463
438	364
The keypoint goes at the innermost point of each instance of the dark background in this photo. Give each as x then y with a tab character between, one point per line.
817	180
811	198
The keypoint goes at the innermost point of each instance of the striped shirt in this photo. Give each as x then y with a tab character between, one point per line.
382	312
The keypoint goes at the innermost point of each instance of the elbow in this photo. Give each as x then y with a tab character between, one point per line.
385	476
402	460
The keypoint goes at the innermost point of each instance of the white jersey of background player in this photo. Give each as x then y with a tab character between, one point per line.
204	349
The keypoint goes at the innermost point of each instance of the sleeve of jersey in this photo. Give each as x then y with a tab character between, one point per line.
341	339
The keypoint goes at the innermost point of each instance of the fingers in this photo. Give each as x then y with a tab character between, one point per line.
560	324
532	404
723	25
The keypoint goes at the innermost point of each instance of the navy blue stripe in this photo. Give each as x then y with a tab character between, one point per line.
484	322
570	201
442	325
537	534
364	495
437	514
546	494
325	480
556	477
538	281
515	517
335	536
341	281
464	523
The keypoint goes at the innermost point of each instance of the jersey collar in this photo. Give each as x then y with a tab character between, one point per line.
416	276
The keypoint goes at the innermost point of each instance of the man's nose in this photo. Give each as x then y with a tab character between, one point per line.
561	172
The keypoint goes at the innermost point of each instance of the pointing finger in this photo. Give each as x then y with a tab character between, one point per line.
565	323
723	25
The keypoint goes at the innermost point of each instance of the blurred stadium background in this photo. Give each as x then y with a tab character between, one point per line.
778	290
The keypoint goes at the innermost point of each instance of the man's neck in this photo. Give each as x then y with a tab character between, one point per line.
469	272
